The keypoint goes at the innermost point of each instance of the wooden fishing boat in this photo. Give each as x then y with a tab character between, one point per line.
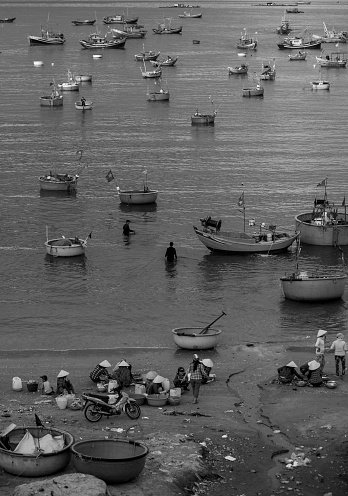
168	62
160	94
190	15
86	22
190	338
254	90
198	119
155	73
325	225
267	240
7	19
120	19
83	104
166	28
147	55
239	69
246	42
295	10
335	59
83	78
48	37
59	182
298	56
129	31
96	41
312	286
268	71
44	461
55	99
138	196
320	84
299	44
71	84
332	36
66	247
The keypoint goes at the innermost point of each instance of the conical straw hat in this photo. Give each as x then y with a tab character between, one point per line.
321	332
291	364
105	363
62	373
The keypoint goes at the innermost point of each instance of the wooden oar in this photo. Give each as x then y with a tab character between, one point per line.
203	331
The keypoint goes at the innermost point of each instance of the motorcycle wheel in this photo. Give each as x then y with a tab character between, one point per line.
92	413
132	410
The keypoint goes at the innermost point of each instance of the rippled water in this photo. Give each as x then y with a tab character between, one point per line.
276	149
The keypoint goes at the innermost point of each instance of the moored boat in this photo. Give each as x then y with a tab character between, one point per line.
147	55
320	84
84	104
335	59
142	196
83	78
66	247
255	89
156	72
7	19
312	286
158	95
96	41
295	10
325	225
48	37
71	84
190	338
198	119
59	182
129	31
298	56
247	42
239	69
55	99
166	28
299	43
332	36
120	19
168	62
85	22
268	71
190	15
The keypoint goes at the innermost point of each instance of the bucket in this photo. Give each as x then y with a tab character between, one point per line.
17	384
269	236
32	386
70	398
175	393
62	402
139	389
112	385
166	385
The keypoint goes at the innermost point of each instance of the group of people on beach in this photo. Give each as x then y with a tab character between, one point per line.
312	371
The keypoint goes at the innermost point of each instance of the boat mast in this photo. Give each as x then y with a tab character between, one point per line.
241	203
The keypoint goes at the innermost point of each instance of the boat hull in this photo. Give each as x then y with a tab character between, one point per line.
72	250
87	106
238	70
299	46
313	288
82	78
158	96
35	465
37	40
48	101
189	338
203	120
167	30
298	56
84	23
253	92
322	235
55	185
115	43
134	197
7	19
320	85
147	56
237	243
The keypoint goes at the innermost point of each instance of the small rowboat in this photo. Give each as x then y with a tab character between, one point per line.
66	247
298	56
189	338
7	19
82	78
239	69
84	23
83	105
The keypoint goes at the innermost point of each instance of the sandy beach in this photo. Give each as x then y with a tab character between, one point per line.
242	415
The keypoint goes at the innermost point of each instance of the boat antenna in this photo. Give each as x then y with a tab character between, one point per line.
145	180
241	204
46	233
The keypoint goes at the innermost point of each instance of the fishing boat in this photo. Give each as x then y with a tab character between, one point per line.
295	10
83	78
120	19
66	247
84	104
239	69
156	72
284	27
55	99
168	62
48	37
267	240
166	27
71	84
246	42
335	59
268	71
313	286
198	119
320	84
137	196
158	95
7	19
59	182
299	43
298	56
86	22
96	41
332	36
190	15
256	89
129	31
326	224
147	55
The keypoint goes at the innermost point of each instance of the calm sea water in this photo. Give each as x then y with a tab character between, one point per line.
276	149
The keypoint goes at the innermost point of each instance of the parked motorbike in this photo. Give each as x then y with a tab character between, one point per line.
97	405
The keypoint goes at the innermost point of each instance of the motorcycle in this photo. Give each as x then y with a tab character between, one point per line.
97	405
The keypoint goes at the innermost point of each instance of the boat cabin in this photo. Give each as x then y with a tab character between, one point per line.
210	225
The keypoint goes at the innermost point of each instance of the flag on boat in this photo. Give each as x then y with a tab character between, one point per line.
90	235
241	200
109	176
344	201
323	183
38	421
315	201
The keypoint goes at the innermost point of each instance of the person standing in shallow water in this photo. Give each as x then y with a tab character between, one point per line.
171	253
126	229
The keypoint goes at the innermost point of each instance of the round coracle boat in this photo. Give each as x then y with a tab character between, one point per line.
35	451
189	338
112	460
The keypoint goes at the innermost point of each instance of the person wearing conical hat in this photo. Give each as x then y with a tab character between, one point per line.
123	373
320	348
208	365
340	349
287	373
314	374
156	385
64	386
181	380
100	372
196	373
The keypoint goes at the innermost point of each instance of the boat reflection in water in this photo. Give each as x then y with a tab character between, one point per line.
130	208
